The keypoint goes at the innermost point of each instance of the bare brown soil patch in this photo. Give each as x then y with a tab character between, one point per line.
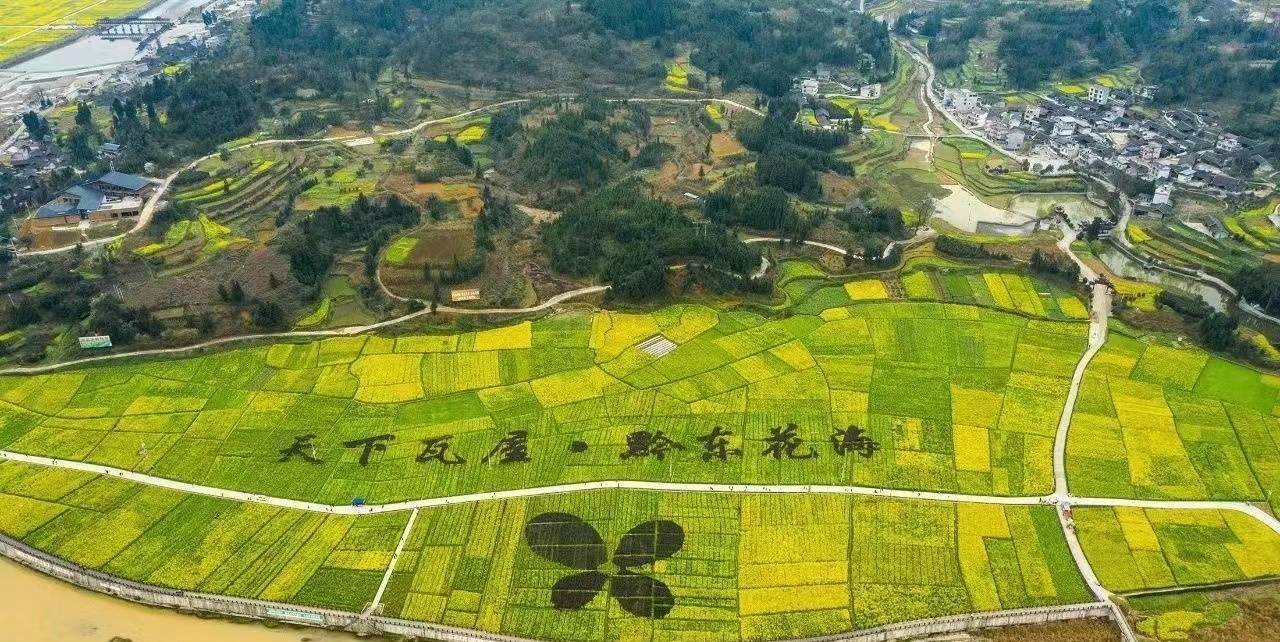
725	145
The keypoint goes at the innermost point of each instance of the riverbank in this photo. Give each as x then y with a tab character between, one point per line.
38	608
87	30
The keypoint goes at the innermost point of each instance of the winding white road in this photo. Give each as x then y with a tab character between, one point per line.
1061	497
305	334
678	487
922	234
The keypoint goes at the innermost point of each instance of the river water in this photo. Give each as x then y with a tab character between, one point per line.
37	608
95	52
1123	266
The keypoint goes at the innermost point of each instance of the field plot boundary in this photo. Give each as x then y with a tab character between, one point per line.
1194	588
372	624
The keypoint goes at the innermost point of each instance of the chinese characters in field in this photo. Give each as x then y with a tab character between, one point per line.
782	443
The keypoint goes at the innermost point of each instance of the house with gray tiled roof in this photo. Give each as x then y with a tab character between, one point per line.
112	196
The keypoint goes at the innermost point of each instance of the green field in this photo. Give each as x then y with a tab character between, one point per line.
1220	613
959	398
926	277
1165	422
945	396
1134	549
171	539
748	567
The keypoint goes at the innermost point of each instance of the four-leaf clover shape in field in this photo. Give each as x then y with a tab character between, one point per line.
571	542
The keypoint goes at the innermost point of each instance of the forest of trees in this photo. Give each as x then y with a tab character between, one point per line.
1260	285
790	156
339	48
312	243
575	147
766	208
627	239
747	45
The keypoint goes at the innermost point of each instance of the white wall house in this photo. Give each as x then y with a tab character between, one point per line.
1162	193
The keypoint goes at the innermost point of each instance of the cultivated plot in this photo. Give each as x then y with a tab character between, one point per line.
1162	421
923	396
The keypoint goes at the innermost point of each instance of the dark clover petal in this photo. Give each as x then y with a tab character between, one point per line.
565	539
577	590
641	595
648	543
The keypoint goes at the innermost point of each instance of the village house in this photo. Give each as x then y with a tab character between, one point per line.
1015	139
960	100
1162	193
110	197
1099	94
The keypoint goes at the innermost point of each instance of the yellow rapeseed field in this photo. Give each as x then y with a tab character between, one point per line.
22	21
866	290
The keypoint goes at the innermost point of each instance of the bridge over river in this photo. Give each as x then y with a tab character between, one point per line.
131	27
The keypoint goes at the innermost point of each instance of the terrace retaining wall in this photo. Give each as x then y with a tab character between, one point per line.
373	624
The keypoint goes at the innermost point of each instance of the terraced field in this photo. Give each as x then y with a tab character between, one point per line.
808	288
1179	245
243	190
190	243
896	110
1254	228
966	160
240	193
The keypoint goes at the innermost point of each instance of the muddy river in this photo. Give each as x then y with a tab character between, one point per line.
37	608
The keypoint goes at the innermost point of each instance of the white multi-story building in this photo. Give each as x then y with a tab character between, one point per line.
1099	94
960	100
1162	193
1064	126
